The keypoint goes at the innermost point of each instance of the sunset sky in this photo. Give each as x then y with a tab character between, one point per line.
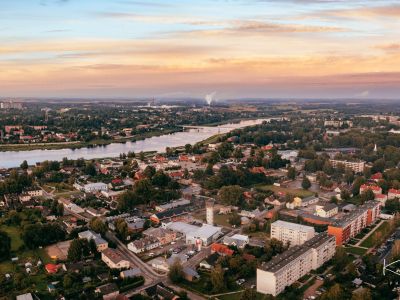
184	48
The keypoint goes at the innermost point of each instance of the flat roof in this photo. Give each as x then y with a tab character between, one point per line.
280	261
293	226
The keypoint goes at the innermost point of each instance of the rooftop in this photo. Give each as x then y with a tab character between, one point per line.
278	262
293	226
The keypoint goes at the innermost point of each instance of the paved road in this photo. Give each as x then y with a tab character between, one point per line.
144	267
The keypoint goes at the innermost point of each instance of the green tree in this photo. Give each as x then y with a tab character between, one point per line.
5	246
249	294
217	279
231	195
97	225
121	228
24	165
75	250
305	184
291	174
175	273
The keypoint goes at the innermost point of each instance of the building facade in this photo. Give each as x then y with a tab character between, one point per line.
285	269
291	233
356	166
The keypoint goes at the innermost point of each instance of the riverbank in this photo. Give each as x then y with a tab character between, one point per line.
79	144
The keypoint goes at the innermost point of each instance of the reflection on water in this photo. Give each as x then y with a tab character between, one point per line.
11	159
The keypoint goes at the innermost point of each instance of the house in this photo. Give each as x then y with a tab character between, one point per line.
381	198
164	236
225	210
377	176
296	202
135	272
161	292
393	193
113	259
52	268
101	244
145	244
109	291
237	240
374	188
221	249
190	274
170	214
209	262
27	296
327	210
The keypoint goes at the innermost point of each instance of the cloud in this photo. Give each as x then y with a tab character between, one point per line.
390	48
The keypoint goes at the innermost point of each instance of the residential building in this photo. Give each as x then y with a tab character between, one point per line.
130	273
144	244
285	269
113	259
291	233
237	240
101	244
353	222
374	188
327	210
164	236
222	250
393	193
172	204
356	166
109	291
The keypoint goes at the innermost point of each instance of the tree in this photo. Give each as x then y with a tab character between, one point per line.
97	225
305	184
249	294
334	293
340	259
235	219
5	246
231	194
24	165
175	273
75	250
217	279
364	294
90	169
291	174
121	228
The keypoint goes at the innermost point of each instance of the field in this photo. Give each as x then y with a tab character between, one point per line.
23	255
297	192
369	242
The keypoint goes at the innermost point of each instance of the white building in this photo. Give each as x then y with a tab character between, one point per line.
285	269
237	240
113	259
92	187
326	211
356	166
210	211
206	233
101	244
292	233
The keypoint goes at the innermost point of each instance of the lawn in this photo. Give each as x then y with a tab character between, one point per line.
14	234
369	242
276	189
222	220
356	250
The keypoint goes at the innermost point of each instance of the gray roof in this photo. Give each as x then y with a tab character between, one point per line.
131	272
278	262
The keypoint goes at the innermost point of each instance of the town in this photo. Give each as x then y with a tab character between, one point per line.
301	206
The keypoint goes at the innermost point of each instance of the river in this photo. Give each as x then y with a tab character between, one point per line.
10	159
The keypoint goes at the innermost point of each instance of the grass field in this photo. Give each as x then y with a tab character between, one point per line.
369	242
297	192
23	255
236	296
356	250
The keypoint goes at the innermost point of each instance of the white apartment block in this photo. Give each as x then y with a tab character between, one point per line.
356	166
285	269
292	233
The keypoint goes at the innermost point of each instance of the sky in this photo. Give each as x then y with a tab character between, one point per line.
191	48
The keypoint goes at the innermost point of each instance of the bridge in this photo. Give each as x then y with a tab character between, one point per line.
207	127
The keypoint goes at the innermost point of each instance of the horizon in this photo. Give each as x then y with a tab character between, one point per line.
245	49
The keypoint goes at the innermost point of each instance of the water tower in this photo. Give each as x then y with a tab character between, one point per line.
210	211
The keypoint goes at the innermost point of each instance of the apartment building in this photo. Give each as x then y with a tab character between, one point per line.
292	233
285	269
356	166
351	224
